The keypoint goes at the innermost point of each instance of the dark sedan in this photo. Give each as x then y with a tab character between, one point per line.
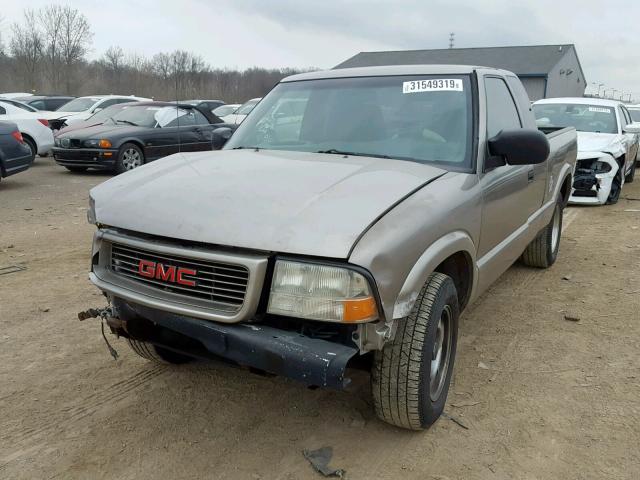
46	102
137	135
15	154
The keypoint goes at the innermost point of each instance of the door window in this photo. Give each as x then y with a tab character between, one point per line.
501	109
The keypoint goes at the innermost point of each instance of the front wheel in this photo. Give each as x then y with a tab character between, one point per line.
631	175
155	353
130	156
543	250
616	188
411	374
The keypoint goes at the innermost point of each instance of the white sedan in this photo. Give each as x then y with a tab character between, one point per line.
241	113
34	128
81	108
607	144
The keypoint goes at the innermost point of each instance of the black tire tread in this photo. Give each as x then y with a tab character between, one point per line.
146	350
538	253
396	369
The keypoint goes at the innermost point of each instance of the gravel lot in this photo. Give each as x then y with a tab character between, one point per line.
540	397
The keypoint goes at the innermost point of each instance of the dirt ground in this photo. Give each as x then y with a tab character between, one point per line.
540	397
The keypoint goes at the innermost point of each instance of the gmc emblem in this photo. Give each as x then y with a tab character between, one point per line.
166	273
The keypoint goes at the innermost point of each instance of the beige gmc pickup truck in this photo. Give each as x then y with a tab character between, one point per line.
348	222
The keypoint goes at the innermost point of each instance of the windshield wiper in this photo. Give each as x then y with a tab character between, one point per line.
128	123
246	148
354	154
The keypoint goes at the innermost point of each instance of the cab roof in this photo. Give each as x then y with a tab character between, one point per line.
581	100
390	70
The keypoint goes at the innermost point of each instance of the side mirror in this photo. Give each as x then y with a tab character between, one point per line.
219	137
631	128
520	147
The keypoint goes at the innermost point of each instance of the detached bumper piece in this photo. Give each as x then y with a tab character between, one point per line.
585	185
312	361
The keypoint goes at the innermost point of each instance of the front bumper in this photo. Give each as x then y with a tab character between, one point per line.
593	188
312	361
85	157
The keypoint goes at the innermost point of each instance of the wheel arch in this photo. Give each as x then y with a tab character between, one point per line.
136	141
453	255
28	137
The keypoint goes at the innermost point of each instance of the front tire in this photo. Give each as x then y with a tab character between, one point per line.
411	374
616	188
631	175
157	354
542	252
130	157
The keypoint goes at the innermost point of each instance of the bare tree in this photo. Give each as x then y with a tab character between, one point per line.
75	41
26	48
113	59
51	20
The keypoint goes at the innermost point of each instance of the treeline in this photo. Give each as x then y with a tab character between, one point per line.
46	53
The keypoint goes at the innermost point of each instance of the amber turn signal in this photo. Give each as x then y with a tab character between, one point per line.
359	310
104	143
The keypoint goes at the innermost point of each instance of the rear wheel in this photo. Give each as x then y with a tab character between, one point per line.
411	375
130	156
543	250
155	353
76	169
32	146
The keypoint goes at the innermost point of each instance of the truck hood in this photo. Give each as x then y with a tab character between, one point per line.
290	202
601	142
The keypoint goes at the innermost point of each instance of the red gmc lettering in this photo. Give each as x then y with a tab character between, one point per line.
147	268
184	281
168	275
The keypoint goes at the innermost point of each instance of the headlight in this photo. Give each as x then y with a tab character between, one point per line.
321	292
91	211
97	143
56	142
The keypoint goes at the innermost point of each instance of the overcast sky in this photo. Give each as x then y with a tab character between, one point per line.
301	33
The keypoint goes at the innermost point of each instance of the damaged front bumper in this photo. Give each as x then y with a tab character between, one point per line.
312	361
594	175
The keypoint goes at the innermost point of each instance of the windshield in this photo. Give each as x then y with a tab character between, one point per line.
247	107
584	117
80	104
24	106
635	114
420	118
107	113
150	116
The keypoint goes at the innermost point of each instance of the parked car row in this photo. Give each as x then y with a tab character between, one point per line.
135	134
116	132
608	139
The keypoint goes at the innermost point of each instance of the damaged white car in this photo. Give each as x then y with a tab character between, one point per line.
607	144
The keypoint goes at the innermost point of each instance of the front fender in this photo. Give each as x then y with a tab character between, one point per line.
438	251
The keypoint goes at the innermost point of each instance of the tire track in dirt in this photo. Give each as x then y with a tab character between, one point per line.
78	410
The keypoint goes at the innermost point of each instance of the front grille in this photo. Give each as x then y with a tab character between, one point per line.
220	283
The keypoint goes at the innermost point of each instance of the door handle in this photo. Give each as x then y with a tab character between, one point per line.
530	176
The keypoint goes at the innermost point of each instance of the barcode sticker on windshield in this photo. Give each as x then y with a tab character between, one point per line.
599	110
437	85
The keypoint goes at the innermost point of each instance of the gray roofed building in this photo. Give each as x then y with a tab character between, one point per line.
545	70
